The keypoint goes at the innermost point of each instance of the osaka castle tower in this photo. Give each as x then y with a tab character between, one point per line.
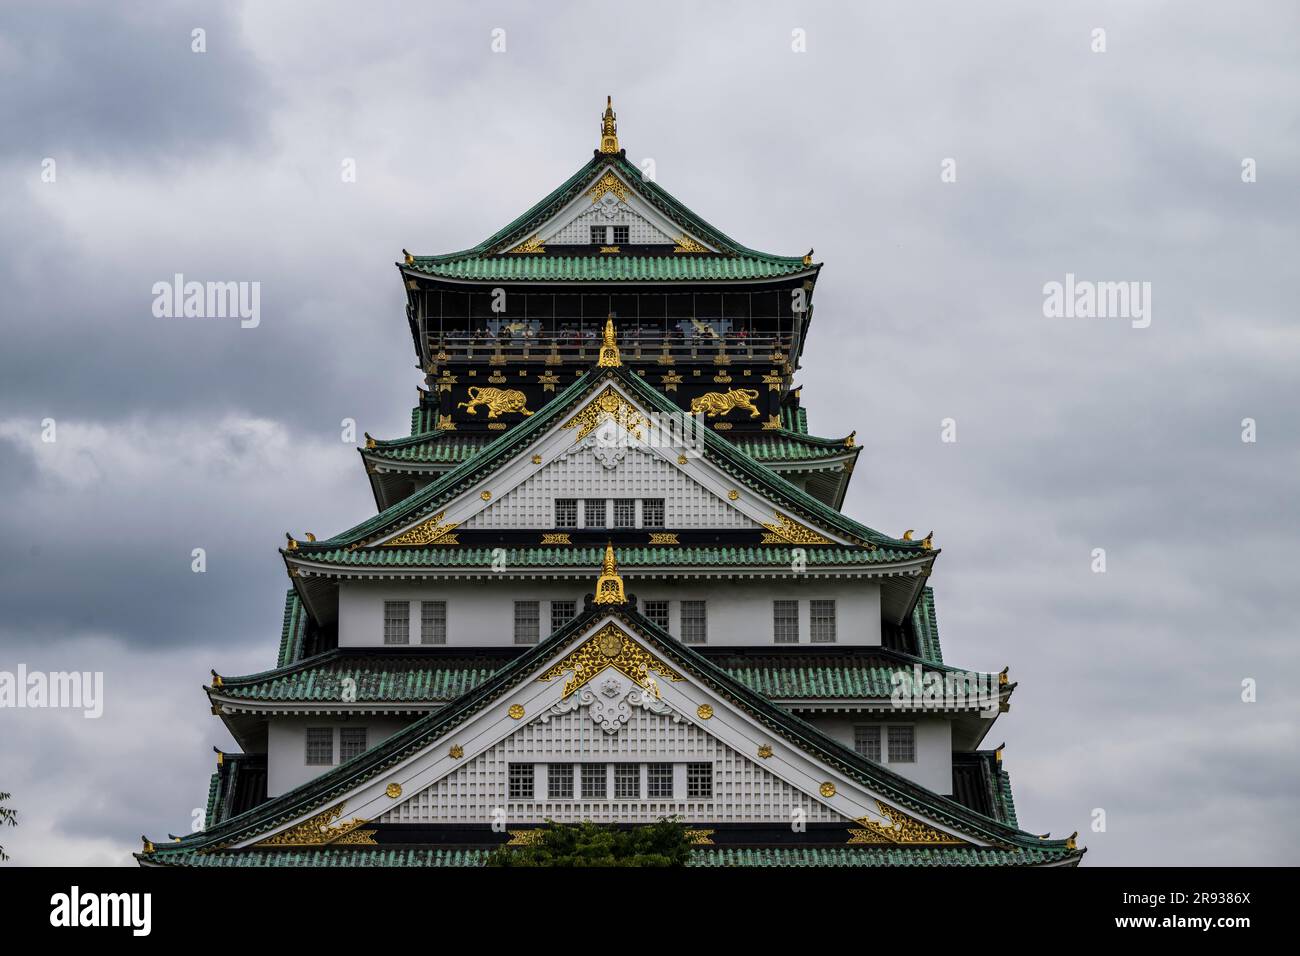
609	579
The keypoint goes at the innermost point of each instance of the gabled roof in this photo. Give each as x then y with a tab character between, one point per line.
725	259
335	783
722	452
410	675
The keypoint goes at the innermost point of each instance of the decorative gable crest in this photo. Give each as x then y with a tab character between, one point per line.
610	647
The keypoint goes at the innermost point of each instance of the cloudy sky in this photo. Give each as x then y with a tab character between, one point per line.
1072	433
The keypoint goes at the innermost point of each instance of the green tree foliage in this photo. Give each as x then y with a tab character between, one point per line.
8	816
590	844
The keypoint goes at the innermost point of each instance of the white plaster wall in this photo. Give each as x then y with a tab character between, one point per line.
933	766
481	613
286	747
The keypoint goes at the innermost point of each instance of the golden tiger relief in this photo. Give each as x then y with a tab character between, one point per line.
497	400
720	403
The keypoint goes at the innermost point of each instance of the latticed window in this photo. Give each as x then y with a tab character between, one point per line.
320	746
397	622
821	621
528	620
562	613
657	612
566	512
559	781
695	622
627	781
593	513
652	513
597	235
866	741
620	234
785	622
433	622
521	781
902	744
352	741
624	512
659	781
699	780
595	782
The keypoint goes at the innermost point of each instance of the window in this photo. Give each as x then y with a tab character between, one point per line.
595	782
433	622
627	781
624	512
559	781
521	781
821	621
699	781
902	744
695	626
620	234
597	235
659	781
320	746
397	622
566	512
785	622
866	741
562	612
528	619
652	513
657	612
352	741
593	513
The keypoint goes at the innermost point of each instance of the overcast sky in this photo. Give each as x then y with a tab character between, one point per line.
1072	433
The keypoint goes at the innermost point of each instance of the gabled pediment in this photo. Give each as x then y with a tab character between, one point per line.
610	687
611	198
611	445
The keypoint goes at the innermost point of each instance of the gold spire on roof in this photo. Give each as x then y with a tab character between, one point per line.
609	586
608	128
609	354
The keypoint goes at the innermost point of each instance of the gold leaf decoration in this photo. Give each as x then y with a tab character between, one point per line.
609	405
704	711
609	183
687	244
664	537
516	711
557	537
610	647
525	837
713	404
429	531
828	789
393	790
317	830
498	400
901	829
530	246
785	530
699	837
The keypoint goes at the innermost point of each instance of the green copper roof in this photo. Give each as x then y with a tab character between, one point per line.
491	261
417	736
420	856
294	632
451	448
674	556
607	268
926	627
435	677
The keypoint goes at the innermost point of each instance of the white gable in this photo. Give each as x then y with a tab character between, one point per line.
742	789
608	696
610	200
633	472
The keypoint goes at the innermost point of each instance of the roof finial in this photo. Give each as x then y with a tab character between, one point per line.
609	354
609	586
608	128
